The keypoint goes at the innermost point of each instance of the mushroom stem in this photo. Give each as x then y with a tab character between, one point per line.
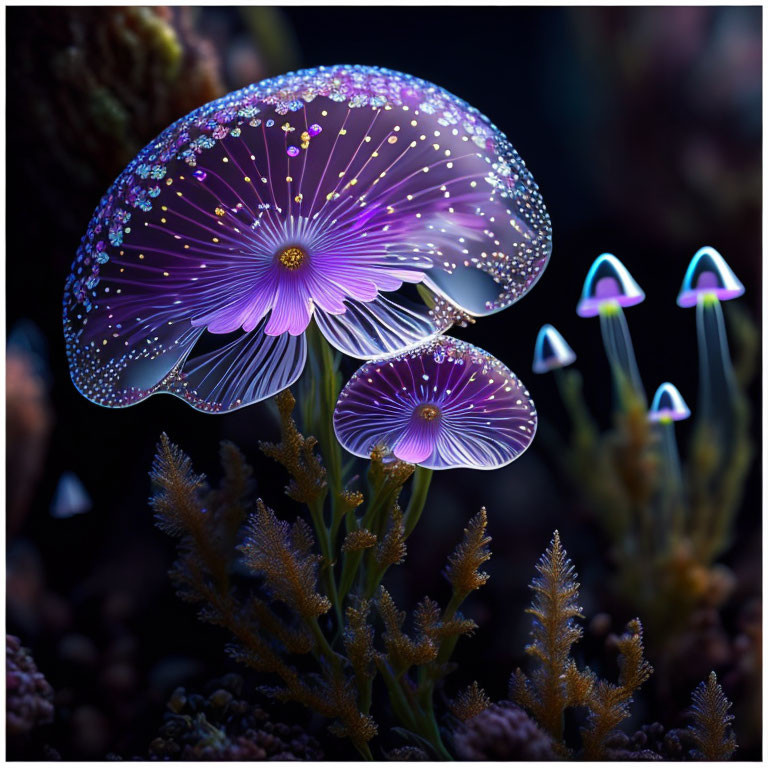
717	384
422	477
672	496
621	354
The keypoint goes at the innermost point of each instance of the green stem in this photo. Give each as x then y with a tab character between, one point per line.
323	644
422	478
326	385
349	571
323	537
379	497
449	643
364	750
400	704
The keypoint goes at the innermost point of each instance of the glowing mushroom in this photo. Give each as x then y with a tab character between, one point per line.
373	203
551	351
708	281
708	274
668	407
444	405
607	289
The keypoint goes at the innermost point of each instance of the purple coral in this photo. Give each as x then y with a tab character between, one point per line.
503	732
326	194
443	405
29	697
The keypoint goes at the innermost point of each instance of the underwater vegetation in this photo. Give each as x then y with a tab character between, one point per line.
667	521
296	577
371	641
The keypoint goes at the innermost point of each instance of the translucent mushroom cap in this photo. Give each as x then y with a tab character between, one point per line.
444	405
608	282
551	350
668	404
708	273
374	203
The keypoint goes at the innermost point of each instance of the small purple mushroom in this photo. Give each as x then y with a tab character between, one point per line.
444	405
374	203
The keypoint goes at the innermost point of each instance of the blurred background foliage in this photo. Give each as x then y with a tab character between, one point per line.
642	127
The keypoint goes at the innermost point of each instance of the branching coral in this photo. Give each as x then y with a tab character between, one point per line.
711	727
297	454
557	683
470	702
283	555
409	654
280	553
608	704
299	603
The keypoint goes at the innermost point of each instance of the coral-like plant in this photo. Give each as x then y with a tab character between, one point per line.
557	683
470	702
328	606
608	704
711	727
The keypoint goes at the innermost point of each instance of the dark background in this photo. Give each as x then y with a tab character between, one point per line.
642	128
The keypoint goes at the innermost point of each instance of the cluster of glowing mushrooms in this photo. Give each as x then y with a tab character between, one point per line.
609	288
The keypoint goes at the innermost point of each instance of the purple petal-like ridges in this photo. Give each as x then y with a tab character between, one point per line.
443	405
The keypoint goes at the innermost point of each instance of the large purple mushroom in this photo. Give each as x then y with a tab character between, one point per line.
444	405
374	203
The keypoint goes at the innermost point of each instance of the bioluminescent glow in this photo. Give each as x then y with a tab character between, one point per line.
708	274
668	404
608	283
551	351
446	404
607	288
330	194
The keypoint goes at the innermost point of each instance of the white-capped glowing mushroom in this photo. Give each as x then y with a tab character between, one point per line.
607	289
668	407
708	274
552	351
708	281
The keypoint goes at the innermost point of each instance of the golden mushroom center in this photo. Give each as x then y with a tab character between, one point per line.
428	412
292	257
